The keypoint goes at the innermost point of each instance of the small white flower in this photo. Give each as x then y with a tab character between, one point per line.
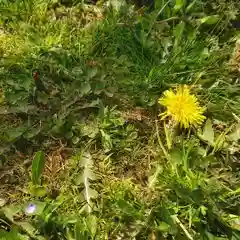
30	209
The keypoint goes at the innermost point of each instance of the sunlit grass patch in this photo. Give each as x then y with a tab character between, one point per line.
80	88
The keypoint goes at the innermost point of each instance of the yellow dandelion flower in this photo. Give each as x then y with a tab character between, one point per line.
182	107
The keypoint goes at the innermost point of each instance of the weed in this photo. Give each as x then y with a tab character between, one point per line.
84	154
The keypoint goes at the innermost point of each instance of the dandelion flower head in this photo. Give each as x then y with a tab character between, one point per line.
182	106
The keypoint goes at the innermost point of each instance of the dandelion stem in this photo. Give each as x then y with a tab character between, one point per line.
160	142
182	227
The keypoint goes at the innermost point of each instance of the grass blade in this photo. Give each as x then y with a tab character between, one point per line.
38	164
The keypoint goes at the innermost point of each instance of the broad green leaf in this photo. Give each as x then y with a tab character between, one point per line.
178	32
80	233
203	210
212	237
32	132
27	227
91	222
235	135
38	191
158	4
163	227
179	4
132	136
236	235
219	143
90	130
208	133
27	82
30	230
38	164
189	7
153	179
106	141
108	93
20	109
13	234
87	163
176	156
116	4
126	207
16	132
210	19
2	202
164	215
201	151
94	103
69	234
92	72
85	88
11	211
68	135
77	71
75	140
99	87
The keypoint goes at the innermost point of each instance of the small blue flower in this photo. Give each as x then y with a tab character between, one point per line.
30	209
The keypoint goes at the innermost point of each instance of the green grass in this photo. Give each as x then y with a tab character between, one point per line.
80	134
